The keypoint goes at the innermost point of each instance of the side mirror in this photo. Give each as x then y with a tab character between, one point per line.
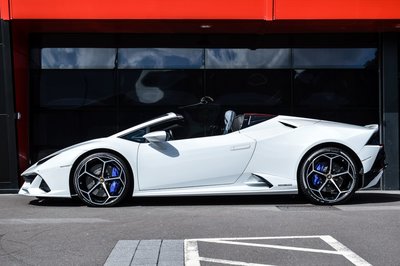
156	136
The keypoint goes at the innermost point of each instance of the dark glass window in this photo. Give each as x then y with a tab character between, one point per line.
161	58
144	94
335	57
247	58
160	87
80	93
251	90
78	58
347	95
74	88
56	129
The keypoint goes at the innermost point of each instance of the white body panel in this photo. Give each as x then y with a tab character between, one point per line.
56	171
208	161
279	150
261	159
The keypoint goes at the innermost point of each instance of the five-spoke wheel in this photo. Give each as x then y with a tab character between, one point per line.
328	176
102	179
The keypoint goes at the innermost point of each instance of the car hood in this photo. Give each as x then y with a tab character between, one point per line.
83	146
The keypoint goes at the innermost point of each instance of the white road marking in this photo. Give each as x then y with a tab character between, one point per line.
345	251
192	257
191	253
256	238
274	247
231	262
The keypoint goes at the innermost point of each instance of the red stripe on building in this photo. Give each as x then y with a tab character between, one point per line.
336	9
149	9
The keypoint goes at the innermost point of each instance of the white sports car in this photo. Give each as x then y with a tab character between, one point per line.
251	154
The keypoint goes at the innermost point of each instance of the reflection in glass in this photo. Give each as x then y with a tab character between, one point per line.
256	90
161	87
147	94
158	58
334	57
325	88
75	88
247	58
62	128
78	58
344	95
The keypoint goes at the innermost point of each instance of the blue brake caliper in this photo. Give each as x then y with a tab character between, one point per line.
320	167
114	172
316	179
115	185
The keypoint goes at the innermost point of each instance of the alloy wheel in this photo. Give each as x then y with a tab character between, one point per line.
329	176
101	179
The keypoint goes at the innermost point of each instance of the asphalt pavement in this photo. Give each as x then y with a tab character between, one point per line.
258	230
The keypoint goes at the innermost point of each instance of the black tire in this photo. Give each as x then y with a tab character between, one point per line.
102	180
328	176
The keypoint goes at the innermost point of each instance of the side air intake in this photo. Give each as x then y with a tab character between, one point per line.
287	124
258	181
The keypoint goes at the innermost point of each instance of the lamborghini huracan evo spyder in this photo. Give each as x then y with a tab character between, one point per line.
248	154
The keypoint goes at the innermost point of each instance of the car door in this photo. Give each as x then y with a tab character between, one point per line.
206	161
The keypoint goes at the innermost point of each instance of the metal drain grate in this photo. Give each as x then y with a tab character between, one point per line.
307	208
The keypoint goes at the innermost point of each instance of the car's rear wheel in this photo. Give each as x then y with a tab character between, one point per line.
328	176
102	179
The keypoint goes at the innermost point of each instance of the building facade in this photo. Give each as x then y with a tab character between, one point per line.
76	70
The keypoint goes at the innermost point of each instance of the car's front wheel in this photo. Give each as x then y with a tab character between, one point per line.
102	179
328	176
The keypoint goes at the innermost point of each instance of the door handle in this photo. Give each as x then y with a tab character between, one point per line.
240	147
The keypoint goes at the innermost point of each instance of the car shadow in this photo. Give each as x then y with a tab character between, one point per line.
367	197
57	202
272	200
181	201
216	200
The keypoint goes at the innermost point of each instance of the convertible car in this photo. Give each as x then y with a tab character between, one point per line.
249	154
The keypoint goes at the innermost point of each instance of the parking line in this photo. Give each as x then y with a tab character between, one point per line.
257	238
275	247
231	262
345	251
192	257
179	252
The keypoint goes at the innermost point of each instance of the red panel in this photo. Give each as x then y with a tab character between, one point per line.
336	9
143	9
4	9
